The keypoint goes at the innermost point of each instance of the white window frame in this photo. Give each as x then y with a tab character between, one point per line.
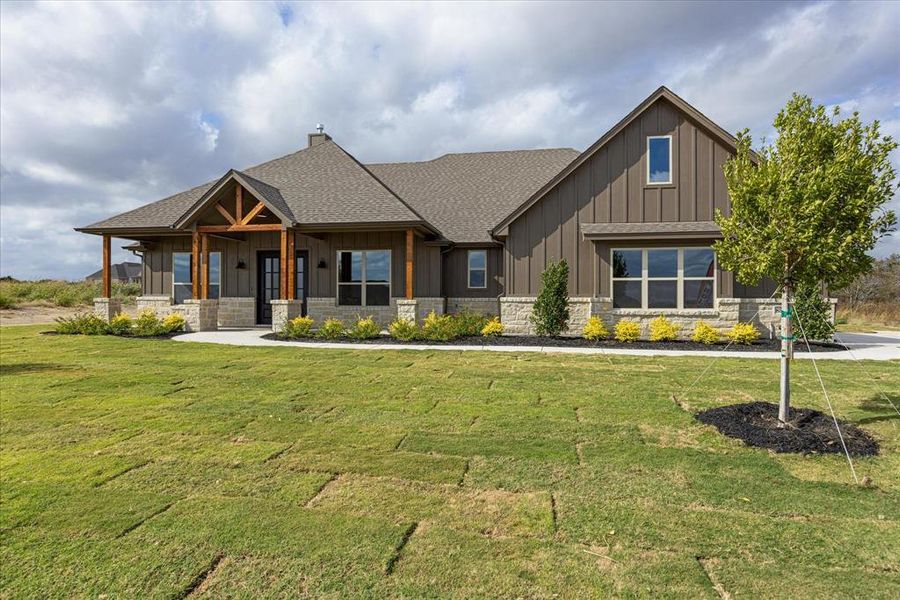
469	269
679	278
659	137
363	282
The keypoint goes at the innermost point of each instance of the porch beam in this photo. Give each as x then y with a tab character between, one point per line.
410	266
204	244
239	228
107	276
291	265
224	212
195	265
239	203
282	270
253	212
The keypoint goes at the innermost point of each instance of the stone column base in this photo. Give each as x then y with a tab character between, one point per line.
199	315
283	311
107	308
407	309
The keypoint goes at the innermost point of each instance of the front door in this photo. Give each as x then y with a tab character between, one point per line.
268	277
302	279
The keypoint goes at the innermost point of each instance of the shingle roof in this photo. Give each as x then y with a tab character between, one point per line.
612	231
465	195
119	271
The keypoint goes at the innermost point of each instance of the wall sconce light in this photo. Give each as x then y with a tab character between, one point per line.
241	264
322	264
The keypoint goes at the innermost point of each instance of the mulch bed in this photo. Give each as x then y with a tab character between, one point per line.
574	342
756	423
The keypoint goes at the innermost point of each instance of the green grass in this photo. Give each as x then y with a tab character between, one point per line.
150	468
60	293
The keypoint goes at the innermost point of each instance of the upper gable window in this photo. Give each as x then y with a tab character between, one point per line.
659	159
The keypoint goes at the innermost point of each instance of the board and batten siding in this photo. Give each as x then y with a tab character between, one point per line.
322	280
611	187
456	274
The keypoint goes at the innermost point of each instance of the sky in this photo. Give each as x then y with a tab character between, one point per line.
107	106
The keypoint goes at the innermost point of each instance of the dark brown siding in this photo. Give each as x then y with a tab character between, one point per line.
242	282
456	272
611	187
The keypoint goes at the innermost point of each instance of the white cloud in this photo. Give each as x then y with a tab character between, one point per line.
106	106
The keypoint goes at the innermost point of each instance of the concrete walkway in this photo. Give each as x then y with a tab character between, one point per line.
876	346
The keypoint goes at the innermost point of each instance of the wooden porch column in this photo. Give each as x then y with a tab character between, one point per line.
410	266
195	265
291	266
107	279
282	271
204	243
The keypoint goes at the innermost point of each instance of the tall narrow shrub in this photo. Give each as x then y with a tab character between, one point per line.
551	310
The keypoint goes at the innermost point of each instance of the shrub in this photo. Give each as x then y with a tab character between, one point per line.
298	327
6	301
551	309
705	333
120	324
148	324
438	327
468	323
173	322
743	333
627	331
492	328
365	329
663	330
595	330
84	324
814	312
332	329
404	330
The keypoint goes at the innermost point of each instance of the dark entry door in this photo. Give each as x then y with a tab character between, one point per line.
268	276
302	279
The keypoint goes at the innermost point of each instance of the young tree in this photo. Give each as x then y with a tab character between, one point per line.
806	209
551	309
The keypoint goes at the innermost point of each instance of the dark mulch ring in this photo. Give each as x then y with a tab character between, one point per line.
575	342
756	423
162	336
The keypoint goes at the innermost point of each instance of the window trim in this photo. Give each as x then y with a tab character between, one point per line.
190	281
680	277
469	269
658	137
363	282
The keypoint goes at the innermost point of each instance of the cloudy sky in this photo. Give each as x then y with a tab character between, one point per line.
107	106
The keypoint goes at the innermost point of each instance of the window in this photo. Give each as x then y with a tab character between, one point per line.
663	278
659	159
477	268
364	277
215	275
181	277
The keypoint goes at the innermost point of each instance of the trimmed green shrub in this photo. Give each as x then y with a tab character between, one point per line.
705	333
595	329
663	330
298	327
332	329
83	323
551	309
364	329
627	331
492	328
439	327
468	323
120	324
404	330
173	323
743	333
148	324
814	312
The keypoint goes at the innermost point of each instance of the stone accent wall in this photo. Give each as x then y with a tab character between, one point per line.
484	306
107	308
407	309
237	312
283	311
327	308
515	314
199	315
426	306
153	302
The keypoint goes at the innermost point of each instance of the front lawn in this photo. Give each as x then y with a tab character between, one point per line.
136	468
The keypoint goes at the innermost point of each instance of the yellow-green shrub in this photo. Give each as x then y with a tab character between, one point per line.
438	327
492	328
83	323
298	327
364	329
173	322
705	333
595	329
404	330
120	324
332	329
627	331
663	330
743	333
147	324
468	323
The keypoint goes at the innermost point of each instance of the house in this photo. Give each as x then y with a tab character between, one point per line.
124	272
318	233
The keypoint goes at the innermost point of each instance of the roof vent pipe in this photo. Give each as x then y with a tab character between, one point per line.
320	128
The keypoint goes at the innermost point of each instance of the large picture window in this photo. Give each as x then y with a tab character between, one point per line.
364	277
215	275
181	277
659	159
478	269
663	278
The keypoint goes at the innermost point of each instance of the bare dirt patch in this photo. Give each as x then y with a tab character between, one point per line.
38	313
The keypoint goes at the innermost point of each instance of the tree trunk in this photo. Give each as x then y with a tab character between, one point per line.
787	353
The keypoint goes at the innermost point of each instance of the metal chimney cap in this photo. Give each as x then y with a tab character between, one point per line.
320	128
